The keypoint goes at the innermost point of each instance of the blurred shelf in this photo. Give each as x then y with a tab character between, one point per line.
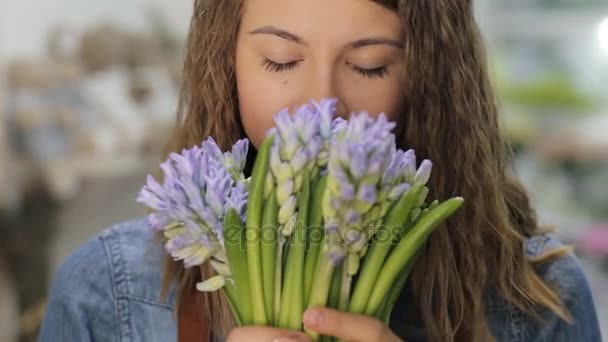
545	24
112	166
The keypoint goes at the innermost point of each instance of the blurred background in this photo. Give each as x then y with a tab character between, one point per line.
88	90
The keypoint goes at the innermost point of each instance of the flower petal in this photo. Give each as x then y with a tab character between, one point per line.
287	209
424	172
212	284
221	268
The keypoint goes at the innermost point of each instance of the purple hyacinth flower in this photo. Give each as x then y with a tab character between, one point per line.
368	193
398	190
423	173
239	154
200	185
152	195
283	124
358	161
326	109
351	216
409	165
336	256
359	154
157	221
393	169
211	149
347	191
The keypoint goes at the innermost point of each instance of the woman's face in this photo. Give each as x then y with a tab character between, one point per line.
289	52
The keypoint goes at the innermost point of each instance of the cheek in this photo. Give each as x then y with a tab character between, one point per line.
256	113
374	97
259	98
394	102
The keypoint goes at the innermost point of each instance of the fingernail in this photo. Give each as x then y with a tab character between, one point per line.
289	339
312	318
284	339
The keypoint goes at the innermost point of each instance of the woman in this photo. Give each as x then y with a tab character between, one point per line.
489	275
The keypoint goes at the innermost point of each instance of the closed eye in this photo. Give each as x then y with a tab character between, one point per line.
271	65
378	72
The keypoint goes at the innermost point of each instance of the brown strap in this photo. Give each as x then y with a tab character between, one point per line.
192	323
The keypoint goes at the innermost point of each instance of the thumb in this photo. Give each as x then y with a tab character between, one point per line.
265	334
347	326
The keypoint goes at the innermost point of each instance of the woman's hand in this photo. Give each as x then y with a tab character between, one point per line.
266	334
347	327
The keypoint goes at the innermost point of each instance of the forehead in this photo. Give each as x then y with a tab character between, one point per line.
314	19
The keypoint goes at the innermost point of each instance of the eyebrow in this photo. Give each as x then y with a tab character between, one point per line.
272	30
376	41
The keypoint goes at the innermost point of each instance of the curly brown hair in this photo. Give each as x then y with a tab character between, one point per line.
450	116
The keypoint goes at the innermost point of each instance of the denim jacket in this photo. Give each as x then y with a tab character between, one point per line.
108	290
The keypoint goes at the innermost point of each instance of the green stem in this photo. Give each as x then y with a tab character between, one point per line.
298	250
409	224
395	220
345	285
320	287
315	238
286	292
254	222
234	243
278	281
386	309
334	289
269	251
420	217
407	249
385	312
231	295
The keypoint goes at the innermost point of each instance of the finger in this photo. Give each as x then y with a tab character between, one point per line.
266	334
347	326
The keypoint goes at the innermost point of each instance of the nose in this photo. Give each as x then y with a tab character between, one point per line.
324	85
341	110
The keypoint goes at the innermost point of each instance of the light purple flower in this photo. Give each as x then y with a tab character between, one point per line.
299	141
359	154
393	170
307	121
326	109
334	249
210	148
233	161
358	160
400	175
157	221
239	155
335	256
408	165
398	190
283	123
152	195
237	200
347	191
200	185
424	172
367	193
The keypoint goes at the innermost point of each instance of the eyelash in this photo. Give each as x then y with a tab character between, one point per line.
279	67
378	72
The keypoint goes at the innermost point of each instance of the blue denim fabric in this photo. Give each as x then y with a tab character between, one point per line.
109	289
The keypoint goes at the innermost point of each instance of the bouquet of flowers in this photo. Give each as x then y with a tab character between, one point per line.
328	200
